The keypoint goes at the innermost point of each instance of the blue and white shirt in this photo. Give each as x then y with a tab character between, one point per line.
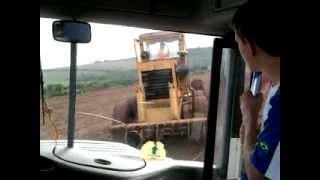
266	154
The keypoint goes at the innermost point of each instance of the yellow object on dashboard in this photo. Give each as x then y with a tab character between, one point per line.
152	150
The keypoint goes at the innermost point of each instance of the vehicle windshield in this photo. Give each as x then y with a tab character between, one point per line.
108	83
163	49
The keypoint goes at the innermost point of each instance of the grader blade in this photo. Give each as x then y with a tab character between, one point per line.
159	130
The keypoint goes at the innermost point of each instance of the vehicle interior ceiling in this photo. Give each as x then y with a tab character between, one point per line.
207	17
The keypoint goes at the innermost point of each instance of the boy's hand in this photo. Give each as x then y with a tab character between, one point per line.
250	107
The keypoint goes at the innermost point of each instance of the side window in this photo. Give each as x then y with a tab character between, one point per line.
228	89
221	126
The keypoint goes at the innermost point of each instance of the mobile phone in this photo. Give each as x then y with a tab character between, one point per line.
255	84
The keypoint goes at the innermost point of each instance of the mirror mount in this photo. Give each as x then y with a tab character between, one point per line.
72	94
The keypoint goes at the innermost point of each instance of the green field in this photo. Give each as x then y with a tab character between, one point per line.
105	74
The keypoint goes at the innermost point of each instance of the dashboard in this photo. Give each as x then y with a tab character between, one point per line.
109	160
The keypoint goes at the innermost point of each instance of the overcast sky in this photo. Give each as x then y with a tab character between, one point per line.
108	42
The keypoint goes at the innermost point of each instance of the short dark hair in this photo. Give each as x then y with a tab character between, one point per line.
258	23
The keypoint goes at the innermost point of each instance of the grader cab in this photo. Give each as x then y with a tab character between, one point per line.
164	104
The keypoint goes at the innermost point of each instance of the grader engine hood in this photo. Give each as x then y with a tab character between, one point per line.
157	97
156	83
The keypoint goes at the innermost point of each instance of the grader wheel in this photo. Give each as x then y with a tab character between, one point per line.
199	108
197	84
126	112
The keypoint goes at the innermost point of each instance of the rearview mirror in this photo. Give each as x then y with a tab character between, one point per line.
71	31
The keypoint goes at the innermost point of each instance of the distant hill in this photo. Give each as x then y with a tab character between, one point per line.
197	58
107	73
122	64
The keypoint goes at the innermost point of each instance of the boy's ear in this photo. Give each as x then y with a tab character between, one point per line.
252	46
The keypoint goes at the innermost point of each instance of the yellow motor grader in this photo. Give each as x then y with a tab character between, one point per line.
164	104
